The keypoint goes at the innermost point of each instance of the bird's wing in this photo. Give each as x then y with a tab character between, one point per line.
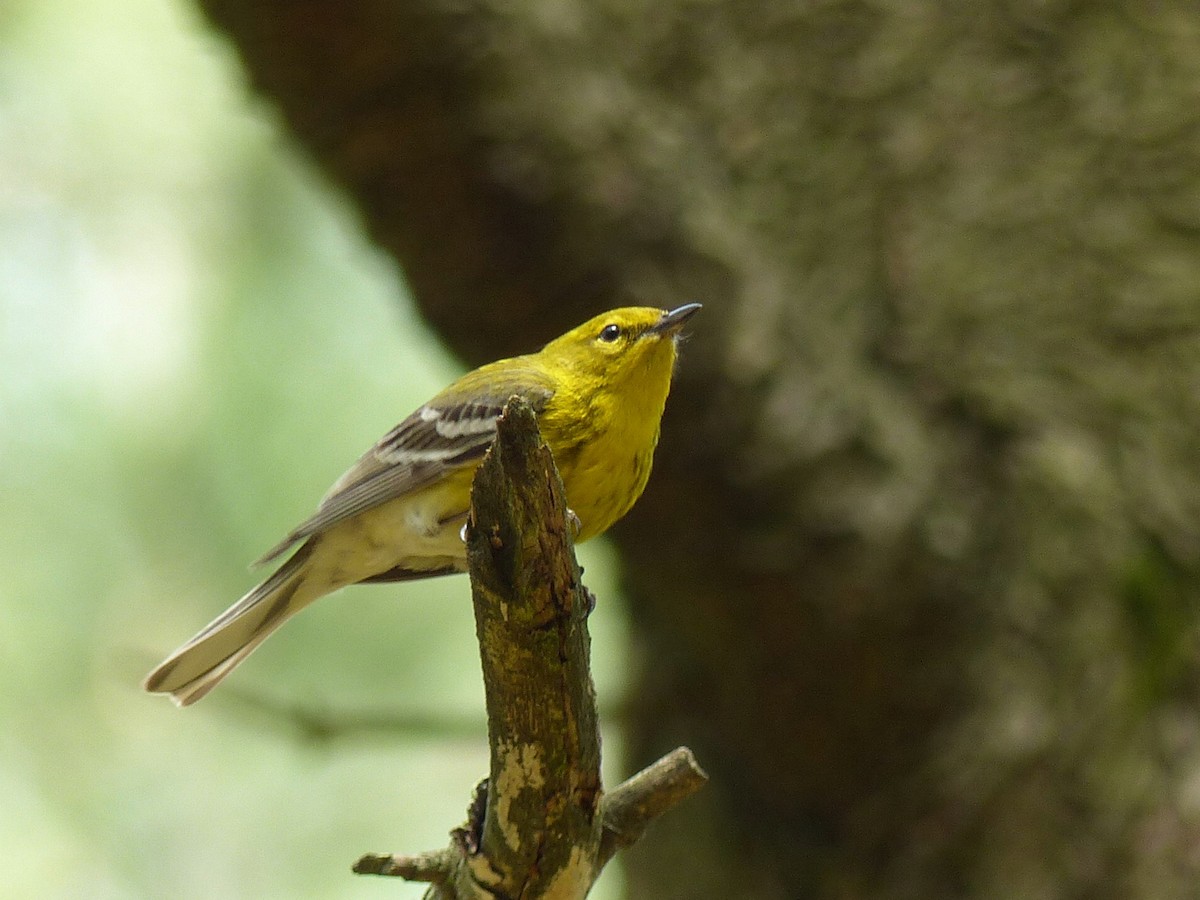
452	430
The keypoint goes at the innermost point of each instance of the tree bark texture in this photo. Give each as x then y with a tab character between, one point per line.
541	834
916	574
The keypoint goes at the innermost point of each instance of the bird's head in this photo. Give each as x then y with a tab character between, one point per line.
628	343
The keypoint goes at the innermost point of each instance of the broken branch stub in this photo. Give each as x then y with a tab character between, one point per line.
539	826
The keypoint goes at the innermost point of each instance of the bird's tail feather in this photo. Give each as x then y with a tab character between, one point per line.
199	665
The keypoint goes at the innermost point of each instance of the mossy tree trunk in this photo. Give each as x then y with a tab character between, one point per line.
916	575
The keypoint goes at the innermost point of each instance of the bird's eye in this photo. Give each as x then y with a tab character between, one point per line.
610	333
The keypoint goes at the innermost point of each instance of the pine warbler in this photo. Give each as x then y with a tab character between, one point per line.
598	391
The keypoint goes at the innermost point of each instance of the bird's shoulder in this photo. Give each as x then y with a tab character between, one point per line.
465	413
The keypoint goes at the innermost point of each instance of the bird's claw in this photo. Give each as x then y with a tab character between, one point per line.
575	523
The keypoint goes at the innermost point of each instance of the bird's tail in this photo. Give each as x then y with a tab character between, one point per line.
199	665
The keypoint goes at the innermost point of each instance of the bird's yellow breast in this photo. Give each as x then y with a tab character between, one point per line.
606	463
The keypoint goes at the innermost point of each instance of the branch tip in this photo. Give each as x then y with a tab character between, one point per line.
642	798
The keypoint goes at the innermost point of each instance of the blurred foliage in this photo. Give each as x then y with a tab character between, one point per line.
195	340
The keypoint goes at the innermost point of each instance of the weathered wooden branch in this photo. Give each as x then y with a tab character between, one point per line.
540	825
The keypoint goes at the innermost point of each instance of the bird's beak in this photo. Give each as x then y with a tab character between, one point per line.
672	320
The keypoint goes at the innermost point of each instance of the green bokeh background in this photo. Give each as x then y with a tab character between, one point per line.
195	340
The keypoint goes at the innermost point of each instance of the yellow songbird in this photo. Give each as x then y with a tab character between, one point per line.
598	391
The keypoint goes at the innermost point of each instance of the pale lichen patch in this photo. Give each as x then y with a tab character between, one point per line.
521	768
573	880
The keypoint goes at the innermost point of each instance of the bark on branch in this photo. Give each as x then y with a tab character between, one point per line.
540	825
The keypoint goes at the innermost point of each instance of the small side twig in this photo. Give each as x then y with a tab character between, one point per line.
642	798
433	867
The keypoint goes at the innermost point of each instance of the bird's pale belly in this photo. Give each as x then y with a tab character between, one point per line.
369	544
